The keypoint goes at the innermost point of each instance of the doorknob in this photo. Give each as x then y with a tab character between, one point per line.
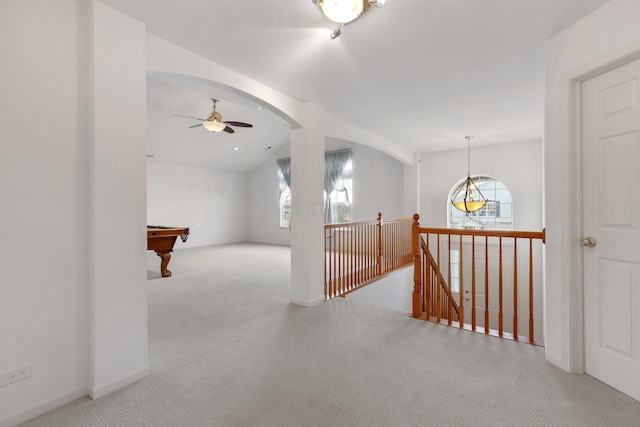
588	242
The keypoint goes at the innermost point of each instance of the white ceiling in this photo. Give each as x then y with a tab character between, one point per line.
419	73
170	140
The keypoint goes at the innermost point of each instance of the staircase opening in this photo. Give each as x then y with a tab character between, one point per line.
487	281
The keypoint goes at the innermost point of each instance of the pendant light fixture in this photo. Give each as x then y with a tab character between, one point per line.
463	200
342	12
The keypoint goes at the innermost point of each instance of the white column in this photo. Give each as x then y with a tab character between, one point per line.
307	207
118	312
412	187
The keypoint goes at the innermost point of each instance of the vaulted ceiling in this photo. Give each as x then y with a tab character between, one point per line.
419	73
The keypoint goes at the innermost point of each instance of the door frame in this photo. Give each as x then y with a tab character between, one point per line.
573	85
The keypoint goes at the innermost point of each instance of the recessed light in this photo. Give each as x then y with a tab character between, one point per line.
236	148
259	107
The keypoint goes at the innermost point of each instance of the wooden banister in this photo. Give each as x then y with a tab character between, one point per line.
434	300
445	305
359	253
485	233
418	307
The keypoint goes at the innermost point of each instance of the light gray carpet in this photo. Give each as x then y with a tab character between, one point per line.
227	349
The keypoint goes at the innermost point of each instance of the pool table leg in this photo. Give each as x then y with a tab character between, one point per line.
165	257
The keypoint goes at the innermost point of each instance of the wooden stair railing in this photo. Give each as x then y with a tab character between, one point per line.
433	299
359	253
438	302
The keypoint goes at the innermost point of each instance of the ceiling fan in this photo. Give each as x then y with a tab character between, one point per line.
214	122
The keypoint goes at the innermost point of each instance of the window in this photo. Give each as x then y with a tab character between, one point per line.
285	208
496	214
338	188
454	265
341	197
284	180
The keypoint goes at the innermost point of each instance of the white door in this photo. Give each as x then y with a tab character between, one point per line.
611	216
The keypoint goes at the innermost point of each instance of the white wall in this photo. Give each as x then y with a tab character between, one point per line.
378	186
394	291
412	186
264	209
43	203
213	204
606	35
517	165
73	278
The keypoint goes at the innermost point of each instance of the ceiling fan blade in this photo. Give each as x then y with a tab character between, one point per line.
228	130
239	124
189	117
195	126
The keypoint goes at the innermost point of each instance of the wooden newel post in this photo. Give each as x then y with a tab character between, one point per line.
379	248
417	287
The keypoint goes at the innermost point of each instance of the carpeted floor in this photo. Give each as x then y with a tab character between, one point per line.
227	349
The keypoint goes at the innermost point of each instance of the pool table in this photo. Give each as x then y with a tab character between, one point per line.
161	239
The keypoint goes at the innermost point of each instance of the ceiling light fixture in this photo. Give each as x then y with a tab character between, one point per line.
463	199
337	32
213	125
343	12
214	122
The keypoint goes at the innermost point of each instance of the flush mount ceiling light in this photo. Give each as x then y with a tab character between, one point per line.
343	12
463	199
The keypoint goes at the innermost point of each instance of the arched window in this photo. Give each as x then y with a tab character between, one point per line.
497	213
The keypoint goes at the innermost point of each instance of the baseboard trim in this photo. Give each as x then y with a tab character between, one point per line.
554	361
306	303
42	407
123	381
39	408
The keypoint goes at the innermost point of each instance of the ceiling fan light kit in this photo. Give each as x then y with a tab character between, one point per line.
215	124
342	12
